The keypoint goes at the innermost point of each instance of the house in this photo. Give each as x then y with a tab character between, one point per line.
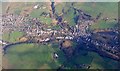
36	6
55	55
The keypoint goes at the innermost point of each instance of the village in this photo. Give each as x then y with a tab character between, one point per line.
39	32
36	31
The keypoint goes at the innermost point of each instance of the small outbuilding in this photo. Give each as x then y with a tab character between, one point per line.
55	55
36	6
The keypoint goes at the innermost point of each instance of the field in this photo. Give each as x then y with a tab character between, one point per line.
46	20
12	37
104	25
31	56
108	9
99	62
34	56
42	8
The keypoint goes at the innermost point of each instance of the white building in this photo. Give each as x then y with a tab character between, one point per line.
36	7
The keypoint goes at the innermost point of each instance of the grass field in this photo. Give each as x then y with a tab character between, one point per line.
37	12
34	56
60	6
46	20
108	9
99	62
12	37
31	56
104	25
69	17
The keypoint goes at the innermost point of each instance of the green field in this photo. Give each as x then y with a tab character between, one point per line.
12	37
108	9
34	56
69	17
46	20
99	62
37	12
31	56
104	25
